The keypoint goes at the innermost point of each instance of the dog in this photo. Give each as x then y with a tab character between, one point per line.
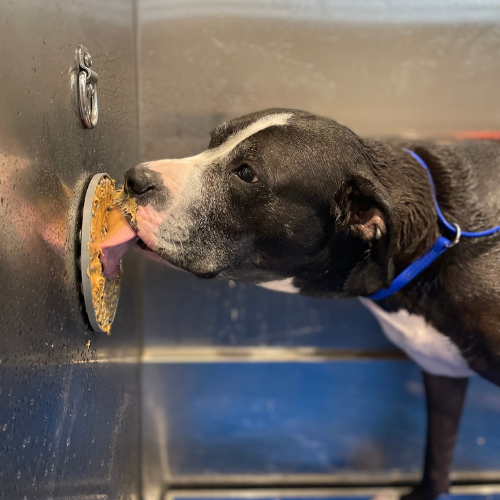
298	203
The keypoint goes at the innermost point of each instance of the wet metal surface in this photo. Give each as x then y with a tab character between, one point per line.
238	314
458	493
348	422
68	400
414	68
382	68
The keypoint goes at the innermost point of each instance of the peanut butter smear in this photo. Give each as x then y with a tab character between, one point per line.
108	207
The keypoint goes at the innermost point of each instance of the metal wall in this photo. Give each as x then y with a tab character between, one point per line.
69	420
240	385
328	402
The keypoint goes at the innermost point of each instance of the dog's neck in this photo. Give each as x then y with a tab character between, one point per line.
415	220
337	270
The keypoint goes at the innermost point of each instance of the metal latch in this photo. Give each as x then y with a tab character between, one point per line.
87	90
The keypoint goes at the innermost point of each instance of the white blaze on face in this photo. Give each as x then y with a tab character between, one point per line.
175	173
184	180
232	141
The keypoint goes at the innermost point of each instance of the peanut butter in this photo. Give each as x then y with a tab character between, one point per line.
108	206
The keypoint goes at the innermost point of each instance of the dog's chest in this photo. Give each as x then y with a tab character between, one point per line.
433	351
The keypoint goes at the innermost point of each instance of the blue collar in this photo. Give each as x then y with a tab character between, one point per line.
440	246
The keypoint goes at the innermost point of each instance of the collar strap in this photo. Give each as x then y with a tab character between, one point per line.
413	270
439	248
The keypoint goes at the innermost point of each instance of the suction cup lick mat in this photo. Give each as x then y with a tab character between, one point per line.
100	293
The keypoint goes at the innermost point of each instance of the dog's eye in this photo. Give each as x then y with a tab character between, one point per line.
245	173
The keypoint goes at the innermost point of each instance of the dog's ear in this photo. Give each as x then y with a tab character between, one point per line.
364	210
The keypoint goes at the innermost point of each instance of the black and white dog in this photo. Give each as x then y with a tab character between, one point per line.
294	202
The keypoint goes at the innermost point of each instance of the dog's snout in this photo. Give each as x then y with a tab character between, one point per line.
139	180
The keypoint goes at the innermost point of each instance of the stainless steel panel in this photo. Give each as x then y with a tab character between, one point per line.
411	68
238	314
383	68
403	67
348	422
68	397
487	492
481	492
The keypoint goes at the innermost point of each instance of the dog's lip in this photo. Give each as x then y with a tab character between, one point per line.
156	257
206	276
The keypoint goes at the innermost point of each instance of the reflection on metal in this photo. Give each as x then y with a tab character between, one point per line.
209	355
87	88
338	422
176	355
447	12
318	493
344	482
234	315
381	68
260	355
69	428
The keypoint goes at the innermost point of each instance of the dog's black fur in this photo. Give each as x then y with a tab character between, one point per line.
342	216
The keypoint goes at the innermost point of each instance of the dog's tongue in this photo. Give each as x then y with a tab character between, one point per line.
119	239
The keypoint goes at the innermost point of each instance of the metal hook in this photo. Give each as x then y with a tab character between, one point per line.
87	89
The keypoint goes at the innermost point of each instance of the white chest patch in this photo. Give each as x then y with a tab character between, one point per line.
431	350
285	285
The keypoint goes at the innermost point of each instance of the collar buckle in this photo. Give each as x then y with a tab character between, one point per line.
457	235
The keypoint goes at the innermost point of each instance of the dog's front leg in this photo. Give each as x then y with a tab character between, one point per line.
445	398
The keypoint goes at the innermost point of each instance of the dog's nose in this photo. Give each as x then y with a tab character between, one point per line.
139	180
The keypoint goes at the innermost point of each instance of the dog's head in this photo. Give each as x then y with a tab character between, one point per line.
278	195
